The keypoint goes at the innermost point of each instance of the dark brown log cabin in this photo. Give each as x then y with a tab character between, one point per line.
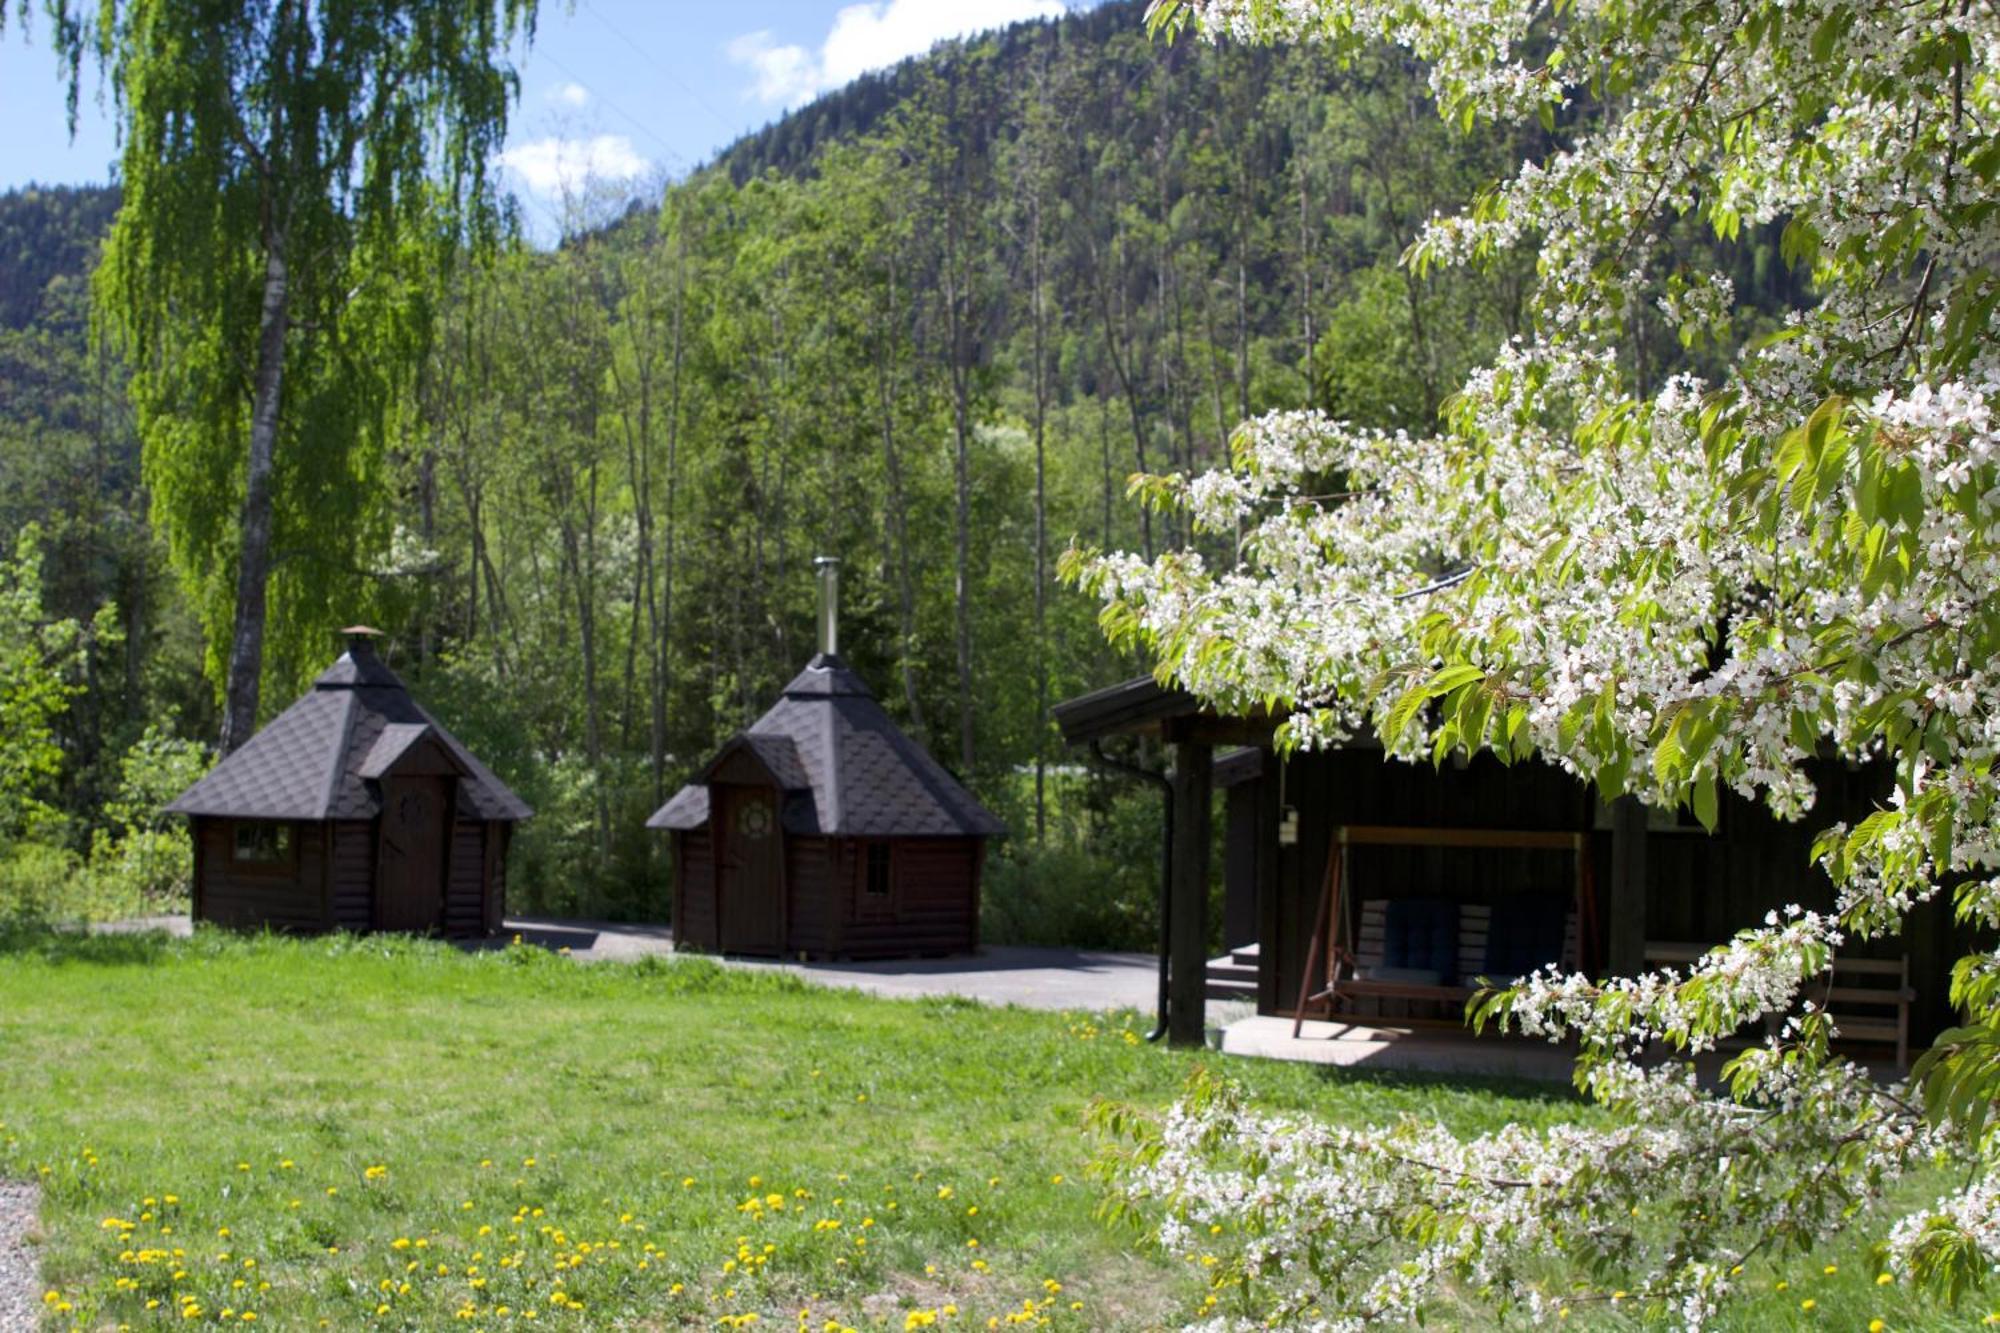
352	810
823	830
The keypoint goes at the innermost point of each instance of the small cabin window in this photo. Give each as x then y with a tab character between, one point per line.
877	885
263	843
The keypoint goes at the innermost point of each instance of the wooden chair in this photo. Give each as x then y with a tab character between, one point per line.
1868	999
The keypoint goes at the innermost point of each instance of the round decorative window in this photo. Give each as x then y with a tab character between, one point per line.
753	819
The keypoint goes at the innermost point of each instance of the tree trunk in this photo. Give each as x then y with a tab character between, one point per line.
1041	524
427	522
1306	284
472	569
253	569
962	476
639	474
899	523
1104	454
1112	347
663	628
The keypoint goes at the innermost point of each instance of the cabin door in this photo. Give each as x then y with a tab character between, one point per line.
416	826
749	869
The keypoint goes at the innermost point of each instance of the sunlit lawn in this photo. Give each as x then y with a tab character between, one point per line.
383	1134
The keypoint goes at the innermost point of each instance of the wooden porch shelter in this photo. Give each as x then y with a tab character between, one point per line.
1322	847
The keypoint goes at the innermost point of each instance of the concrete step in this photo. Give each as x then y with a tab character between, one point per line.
1232	976
1245	955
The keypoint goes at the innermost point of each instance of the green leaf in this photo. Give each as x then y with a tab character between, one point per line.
1705	801
1449	678
1670	755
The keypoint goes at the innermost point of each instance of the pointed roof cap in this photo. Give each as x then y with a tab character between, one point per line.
358	667
827	675
847	769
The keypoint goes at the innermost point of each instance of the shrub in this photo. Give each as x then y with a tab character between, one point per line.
36	879
1067	895
142	860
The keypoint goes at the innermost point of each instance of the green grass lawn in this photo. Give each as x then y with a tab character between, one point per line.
369	1133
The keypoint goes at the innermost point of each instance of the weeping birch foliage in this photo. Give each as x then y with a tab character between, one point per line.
295	176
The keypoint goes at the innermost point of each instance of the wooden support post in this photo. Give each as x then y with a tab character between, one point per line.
1932	947
1187	945
1243	847
197	887
1268	852
1626	951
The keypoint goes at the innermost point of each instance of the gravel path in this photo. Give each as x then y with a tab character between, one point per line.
20	1293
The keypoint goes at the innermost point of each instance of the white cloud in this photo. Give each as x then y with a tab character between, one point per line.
866	36
783	75
570	95
554	165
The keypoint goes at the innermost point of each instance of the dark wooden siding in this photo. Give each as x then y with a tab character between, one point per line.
498	834
289	897
353	874
694	872
811	879
934	903
1703	889
465	883
1241	849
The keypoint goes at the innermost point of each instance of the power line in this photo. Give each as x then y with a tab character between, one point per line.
638	124
661	68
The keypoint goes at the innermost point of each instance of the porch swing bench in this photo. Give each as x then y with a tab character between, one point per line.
1437	949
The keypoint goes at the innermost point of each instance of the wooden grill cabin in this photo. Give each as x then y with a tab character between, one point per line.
1381	891
824	830
352	810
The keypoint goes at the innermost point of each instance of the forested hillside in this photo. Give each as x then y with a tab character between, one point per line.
930	323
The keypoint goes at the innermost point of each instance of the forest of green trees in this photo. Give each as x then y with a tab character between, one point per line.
931	323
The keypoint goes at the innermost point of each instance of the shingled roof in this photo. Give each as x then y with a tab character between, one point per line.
845	768
321	758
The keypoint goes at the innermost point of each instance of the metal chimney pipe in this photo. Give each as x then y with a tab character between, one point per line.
828	567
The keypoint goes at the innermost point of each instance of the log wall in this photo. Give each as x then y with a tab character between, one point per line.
353	875
289	896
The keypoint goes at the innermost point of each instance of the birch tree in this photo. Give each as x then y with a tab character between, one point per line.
293	174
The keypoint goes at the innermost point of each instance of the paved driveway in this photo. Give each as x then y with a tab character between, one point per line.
1033	977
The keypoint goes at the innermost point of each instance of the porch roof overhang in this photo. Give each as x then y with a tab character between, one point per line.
1143	706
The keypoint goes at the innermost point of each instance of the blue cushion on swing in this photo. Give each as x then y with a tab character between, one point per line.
1526	933
1420	937
1401	976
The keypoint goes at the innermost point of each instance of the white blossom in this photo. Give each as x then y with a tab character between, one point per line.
1670	589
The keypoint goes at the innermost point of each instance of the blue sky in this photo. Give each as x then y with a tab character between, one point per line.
623	92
